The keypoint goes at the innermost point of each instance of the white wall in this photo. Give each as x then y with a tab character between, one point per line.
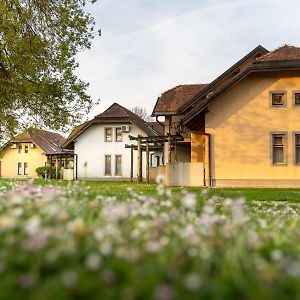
154	159
91	148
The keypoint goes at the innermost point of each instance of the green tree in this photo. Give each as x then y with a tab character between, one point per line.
39	40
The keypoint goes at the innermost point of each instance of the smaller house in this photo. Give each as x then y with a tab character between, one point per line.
102	146
30	150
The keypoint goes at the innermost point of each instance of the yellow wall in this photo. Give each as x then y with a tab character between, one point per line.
241	122
197	147
10	159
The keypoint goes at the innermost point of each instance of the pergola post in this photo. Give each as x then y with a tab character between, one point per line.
56	167
131	164
140	166
50	175
147	163
170	148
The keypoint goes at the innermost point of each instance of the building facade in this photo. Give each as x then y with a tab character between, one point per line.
28	151
244	126
99	145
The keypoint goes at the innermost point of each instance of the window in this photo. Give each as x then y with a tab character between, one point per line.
297	148
26	149
119	134
118	166
108	134
278	98
279	149
296	98
19	168
20	149
25	168
107	170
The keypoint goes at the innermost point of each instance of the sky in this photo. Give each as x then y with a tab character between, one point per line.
150	46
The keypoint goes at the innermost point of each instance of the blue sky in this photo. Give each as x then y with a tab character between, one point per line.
149	46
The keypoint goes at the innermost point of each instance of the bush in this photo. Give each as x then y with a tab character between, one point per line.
41	171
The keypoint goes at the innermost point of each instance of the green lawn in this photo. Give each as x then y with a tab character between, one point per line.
121	240
120	189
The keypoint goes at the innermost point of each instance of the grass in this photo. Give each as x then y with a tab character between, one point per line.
120	188
122	240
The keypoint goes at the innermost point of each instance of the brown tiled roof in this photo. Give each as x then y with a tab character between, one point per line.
158	127
114	114
283	53
118	112
171	100
77	129
49	142
24	137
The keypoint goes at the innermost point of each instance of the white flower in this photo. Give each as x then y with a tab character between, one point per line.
32	225
116	212
17	212
294	269
160	179
276	254
69	278
93	262
204	191
262	223
154	246
76	226
106	248
192	281
7	222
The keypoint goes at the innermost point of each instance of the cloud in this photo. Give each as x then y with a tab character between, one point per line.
150	46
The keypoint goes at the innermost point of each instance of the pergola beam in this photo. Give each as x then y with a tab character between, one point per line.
157	139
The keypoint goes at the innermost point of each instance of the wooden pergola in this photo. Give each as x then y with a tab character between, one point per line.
58	157
147	144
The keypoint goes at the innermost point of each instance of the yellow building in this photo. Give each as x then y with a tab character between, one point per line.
244	127
28	151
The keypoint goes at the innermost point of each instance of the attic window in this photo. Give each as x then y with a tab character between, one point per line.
297	98
278	99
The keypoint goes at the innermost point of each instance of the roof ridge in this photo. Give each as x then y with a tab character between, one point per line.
137	116
270	55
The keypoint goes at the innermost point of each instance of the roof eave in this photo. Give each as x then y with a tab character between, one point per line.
253	69
205	90
164	113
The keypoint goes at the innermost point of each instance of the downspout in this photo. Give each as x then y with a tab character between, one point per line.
76	167
160	123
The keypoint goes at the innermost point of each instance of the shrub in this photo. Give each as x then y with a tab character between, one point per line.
41	171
